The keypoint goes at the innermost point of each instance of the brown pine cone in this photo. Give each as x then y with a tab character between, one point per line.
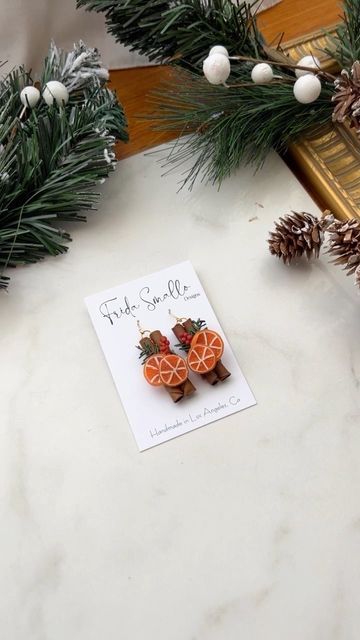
344	245
357	277
295	234
347	97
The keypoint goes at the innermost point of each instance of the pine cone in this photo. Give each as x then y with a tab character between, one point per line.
344	245
347	97
357	277
295	234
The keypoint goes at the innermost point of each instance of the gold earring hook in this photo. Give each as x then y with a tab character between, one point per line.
142	331
179	320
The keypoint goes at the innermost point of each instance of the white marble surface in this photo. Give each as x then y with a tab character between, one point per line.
246	529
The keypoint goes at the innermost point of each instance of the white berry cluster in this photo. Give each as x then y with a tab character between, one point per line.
54	91
307	87
216	66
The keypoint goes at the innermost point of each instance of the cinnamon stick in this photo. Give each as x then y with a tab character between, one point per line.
221	371
187	387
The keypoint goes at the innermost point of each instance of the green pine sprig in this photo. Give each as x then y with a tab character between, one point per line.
196	325
220	128
51	158
344	47
149	349
182	347
180	31
226	127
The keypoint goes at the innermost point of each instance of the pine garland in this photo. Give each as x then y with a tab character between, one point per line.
51	159
229	126
226	126
345	45
183	31
180	31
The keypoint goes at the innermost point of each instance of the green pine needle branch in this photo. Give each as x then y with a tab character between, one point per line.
230	126
178	30
344	47
51	158
147	350
225	126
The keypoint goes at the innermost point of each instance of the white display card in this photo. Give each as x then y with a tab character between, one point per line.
154	418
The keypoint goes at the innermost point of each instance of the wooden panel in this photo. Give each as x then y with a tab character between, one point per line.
295	18
134	86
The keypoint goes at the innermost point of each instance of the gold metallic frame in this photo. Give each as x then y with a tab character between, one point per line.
328	159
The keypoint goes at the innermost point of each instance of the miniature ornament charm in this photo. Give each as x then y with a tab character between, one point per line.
307	61
204	349
30	96
161	367
262	73
219	49
216	68
307	89
55	91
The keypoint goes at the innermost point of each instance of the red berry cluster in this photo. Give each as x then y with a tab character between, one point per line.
164	344
186	338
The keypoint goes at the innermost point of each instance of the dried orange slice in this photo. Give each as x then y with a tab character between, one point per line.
208	338
201	359
152	370
173	370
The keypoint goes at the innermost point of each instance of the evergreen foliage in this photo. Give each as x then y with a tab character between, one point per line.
52	157
180	30
225	125
345	46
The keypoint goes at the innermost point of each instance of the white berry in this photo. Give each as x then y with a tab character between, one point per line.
307	61
219	49
30	96
262	73
55	91
307	89
216	68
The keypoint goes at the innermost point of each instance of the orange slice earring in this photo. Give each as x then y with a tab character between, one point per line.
204	349
162	368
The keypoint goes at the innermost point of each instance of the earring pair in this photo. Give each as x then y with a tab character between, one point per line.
162	367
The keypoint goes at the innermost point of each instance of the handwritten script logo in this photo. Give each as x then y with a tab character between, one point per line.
115	308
